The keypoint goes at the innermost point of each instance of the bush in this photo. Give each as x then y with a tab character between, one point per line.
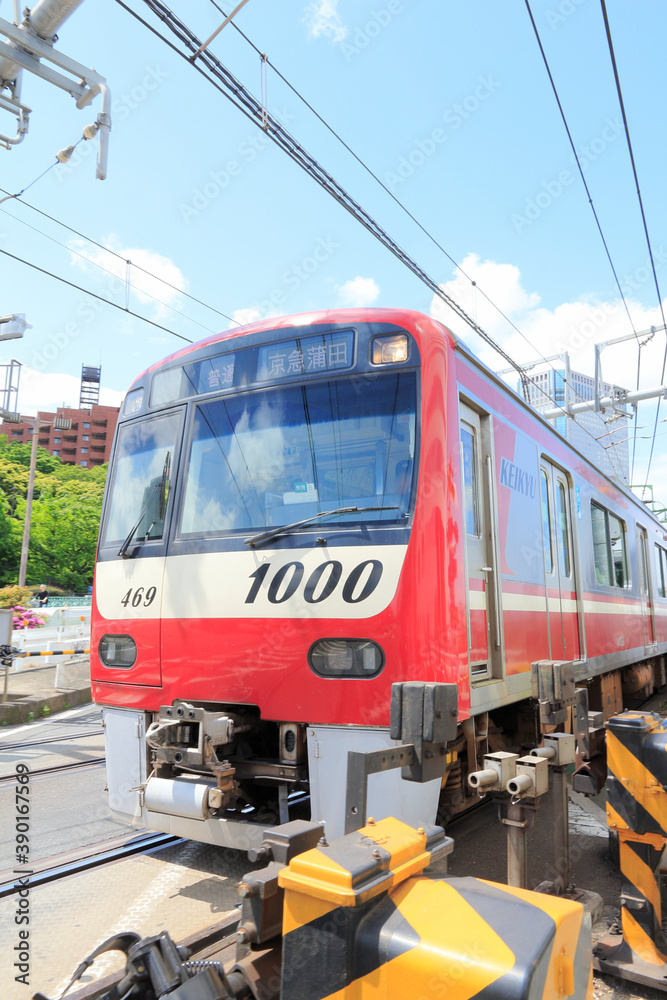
26	618
13	595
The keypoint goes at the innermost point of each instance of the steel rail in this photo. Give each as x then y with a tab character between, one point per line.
31	879
56	769
50	739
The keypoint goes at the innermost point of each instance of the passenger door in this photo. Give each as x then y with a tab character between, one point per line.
559	568
482	577
648	609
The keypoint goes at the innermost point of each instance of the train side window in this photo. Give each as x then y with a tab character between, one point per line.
563	533
619	558
609	547
660	567
470	479
642	557
600	548
546	523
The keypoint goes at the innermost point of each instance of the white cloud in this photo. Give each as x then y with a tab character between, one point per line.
358	292
41	391
155	279
571	326
322	18
500	282
248	315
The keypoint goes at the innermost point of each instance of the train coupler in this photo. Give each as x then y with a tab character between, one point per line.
637	812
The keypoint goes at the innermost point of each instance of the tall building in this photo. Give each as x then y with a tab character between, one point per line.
87	443
603	442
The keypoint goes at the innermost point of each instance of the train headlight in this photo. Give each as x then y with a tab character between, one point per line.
118	651
134	401
388	350
346	658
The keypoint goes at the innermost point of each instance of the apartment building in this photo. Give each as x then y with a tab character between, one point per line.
87	443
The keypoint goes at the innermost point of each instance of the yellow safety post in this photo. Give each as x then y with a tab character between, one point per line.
361	920
637	811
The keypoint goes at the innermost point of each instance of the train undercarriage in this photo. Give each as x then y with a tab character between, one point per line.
208	761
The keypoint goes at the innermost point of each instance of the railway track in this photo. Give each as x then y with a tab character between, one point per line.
51	739
92	857
56	769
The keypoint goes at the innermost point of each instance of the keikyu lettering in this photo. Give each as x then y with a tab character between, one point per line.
517	479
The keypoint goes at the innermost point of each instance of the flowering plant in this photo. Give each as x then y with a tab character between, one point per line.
26	617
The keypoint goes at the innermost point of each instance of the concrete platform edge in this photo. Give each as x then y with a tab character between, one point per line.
39	706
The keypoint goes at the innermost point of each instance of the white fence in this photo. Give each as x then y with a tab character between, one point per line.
66	628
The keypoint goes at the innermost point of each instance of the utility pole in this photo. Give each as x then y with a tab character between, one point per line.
599	348
60	423
28	505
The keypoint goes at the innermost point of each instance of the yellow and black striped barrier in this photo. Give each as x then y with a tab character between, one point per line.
53	652
637	812
360	919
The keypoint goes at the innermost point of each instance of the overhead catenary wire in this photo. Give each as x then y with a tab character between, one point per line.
231	88
476	288
243	100
590	197
643	215
101	246
56	161
100	298
579	167
127	281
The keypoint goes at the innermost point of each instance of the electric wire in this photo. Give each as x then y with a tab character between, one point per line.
240	97
55	163
643	215
476	287
590	201
237	94
128	283
94	295
579	167
89	239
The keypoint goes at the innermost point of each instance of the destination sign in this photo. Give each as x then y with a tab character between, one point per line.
312	355
306	355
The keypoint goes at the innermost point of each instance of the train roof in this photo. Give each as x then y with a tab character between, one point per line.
396	316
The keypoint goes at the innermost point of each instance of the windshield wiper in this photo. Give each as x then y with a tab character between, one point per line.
161	487
264	536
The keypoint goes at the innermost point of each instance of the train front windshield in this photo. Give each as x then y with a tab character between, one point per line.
274	456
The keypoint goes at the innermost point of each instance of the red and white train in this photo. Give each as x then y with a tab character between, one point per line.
303	511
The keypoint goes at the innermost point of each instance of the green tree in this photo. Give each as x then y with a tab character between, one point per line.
10	542
63	535
20	454
67	501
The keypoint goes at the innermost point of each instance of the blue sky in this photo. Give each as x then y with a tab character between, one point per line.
449	104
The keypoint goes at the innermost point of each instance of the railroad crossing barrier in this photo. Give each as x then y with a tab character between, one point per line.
637	811
358	918
9	653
